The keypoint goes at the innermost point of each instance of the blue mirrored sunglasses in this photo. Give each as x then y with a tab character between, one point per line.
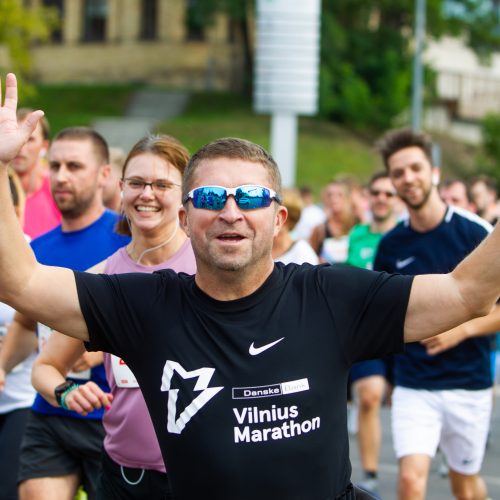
247	197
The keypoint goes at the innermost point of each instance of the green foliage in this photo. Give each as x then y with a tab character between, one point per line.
67	105
367	55
19	28
324	149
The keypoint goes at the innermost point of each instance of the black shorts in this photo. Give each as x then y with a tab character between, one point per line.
54	445
125	483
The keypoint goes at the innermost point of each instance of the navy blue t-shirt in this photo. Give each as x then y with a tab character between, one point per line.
406	251
79	250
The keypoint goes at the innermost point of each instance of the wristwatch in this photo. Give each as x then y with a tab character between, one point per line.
62	390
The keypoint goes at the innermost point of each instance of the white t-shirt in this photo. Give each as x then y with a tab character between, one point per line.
19	392
310	217
299	253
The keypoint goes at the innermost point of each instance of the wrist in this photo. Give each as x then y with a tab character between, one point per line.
62	391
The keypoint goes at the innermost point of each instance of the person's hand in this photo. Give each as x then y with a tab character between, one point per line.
88	360
2	380
87	398
444	341
12	135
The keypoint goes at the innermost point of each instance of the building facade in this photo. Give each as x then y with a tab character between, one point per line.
155	41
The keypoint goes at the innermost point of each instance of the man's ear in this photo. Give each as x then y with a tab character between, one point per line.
183	220
105	171
280	218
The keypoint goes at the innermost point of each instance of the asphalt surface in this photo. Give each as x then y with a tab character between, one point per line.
438	487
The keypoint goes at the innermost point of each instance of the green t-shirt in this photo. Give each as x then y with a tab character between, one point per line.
362	246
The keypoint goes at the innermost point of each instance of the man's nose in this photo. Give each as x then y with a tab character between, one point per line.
230	211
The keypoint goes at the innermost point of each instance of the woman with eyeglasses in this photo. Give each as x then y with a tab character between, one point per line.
151	195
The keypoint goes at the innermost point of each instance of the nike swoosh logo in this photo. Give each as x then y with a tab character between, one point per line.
405	262
258	350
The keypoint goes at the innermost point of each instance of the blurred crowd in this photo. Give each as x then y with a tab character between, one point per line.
83	205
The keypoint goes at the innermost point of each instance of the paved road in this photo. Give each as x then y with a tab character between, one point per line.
438	487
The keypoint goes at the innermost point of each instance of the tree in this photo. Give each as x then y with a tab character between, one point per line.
19	28
366	54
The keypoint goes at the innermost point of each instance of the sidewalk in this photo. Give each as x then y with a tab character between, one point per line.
147	108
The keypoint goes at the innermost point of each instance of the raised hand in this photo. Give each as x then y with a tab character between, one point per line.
12	135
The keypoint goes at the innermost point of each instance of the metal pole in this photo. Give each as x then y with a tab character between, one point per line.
284	144
416	111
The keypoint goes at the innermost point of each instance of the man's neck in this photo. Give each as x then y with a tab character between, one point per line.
92	214
32	179
232	285
429	215
382	226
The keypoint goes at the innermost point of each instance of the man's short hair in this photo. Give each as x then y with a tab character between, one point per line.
449	181
382	174
237	149
86	134
22	114
489	182
395	140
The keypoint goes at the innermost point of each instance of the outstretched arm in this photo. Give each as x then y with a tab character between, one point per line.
47	294
440	302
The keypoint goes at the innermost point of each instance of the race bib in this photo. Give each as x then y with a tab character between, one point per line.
123	374
44	332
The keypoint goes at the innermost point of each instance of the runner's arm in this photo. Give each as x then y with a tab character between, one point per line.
18	344
478	327
47	294
57	358
440	302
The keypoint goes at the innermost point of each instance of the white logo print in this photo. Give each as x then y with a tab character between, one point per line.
204	375
257	350
405	262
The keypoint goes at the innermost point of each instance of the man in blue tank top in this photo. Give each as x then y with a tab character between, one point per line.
443	395
62	449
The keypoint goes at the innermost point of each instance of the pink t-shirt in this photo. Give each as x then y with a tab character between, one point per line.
41	213
130	438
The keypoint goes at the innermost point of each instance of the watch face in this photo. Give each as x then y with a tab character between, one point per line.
58	391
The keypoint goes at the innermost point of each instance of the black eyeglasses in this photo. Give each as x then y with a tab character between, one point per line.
378	192
247	197
138	185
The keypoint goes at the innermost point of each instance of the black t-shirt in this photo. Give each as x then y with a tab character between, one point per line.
247	397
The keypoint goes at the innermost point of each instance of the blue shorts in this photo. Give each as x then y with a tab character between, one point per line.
368	368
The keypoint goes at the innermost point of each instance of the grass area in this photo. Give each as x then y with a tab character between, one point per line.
324	149
67	105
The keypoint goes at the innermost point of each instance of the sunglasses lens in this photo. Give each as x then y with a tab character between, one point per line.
246	197
211	198
250	197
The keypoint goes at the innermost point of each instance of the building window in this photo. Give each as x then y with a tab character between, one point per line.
95	17
194	21
58	6
149	17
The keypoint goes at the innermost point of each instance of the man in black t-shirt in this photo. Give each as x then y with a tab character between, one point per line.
244	365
